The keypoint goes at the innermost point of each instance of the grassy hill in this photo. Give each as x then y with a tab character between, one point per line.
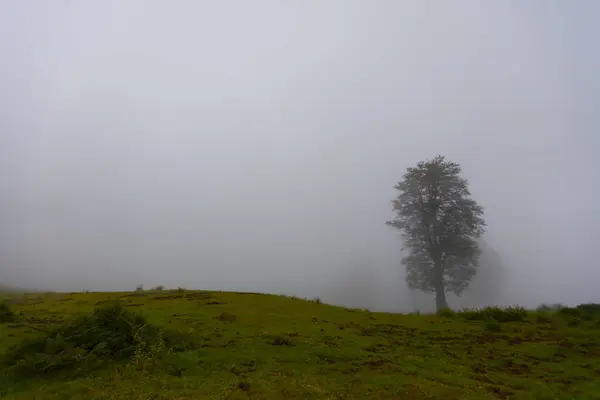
239	345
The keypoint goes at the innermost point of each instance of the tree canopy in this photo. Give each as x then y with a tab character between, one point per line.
440	225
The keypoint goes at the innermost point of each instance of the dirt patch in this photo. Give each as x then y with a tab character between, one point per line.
111	301
378	348
168	297
44	321
500	392
518	368
332	341
16	326
279	341
376	363
226	317
136	294
198	296
66	299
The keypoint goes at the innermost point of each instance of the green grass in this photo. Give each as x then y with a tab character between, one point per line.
240	345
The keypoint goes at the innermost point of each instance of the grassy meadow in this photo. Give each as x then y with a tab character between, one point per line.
179	344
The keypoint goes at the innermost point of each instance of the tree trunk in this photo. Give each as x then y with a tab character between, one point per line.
440	297
440	288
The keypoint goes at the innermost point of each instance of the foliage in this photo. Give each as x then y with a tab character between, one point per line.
158	288
280	347
492	325
499	314
139	288
549	307
6	314
446	312
440	225
110	332
589	310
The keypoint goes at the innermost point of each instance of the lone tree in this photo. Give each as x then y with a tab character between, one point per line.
440	225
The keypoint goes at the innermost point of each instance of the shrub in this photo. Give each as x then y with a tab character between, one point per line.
445	312
583	312
570	312
499	314
226	317
543	318
549	307
158	288
590	310
110	332
317	300
574	321
6	314
492	325
139	288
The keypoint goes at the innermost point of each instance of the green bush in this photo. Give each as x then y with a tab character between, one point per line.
446	312
6	314
499	314
583	312
570	312
550	307
543	318
110	332
589	311
492	325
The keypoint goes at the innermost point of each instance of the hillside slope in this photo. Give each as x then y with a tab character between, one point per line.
274	347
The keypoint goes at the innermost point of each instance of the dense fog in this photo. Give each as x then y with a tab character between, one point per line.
254	146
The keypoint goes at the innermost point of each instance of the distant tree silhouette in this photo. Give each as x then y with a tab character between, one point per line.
440	225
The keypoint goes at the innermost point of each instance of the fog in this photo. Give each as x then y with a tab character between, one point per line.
254	146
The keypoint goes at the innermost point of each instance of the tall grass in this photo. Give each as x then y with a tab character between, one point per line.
499	314
110	332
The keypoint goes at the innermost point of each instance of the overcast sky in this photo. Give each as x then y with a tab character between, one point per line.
255	145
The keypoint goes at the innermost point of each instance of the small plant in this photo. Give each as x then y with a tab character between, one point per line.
574	321
549	307
139	288
570	312
543	318
6	314
110	332
446	312
589	311
279	341
500	314
227	317
492	325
